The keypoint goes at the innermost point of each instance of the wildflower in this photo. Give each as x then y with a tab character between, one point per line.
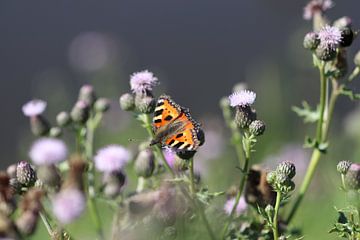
145	104
113	183
257	127
34	108
80	112
111	158
244	116
352	177
343	22
240	208
63	119
127	102
48	151
330	37
287	168
87	94
142	82
68	205
316	6
242	98
25	174
170	156
55	132
102	105
311	41
144	163
343	166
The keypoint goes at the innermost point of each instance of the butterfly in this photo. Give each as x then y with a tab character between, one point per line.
174	127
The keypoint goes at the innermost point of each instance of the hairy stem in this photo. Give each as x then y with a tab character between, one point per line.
276	214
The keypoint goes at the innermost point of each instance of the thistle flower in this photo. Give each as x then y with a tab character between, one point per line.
68	205
34	108
242	98
170	157
47	151
112	158
240	208
141	82
316	6
330	37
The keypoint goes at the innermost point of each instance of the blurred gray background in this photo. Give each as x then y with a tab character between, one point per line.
198	49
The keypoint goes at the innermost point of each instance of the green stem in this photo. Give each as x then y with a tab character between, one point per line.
321	135
92	124
276	214
198	205
247	146
354	74
47	224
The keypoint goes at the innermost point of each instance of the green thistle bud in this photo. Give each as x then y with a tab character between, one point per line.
281	178
55	132
343	22
39	125
145	104
269	209
257	127
49	175
113	184
325	53
144	163
87	94
63	119
347	37
311	41
352	177
127	102
102	105
25	174
80	112
357	59
271	177
343	166
244	116
287	168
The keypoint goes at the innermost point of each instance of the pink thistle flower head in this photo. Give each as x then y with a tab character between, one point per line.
330	37
240	208
242	98
315	6
34	107
48	151
68	205
112	158
143	81
170	157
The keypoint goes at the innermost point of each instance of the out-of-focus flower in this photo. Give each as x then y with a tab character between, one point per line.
80	112
242	98
48	151
127	102
141	82
170	156
87	94
240	208
330	37
316	6
34	108
112	158
68	205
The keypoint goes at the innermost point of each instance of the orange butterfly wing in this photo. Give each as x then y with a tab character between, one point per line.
187	138
166	111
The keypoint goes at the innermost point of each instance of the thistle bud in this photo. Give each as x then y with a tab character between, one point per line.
244	116
269	209
127	102
281	178
49	175
347	37
343	166
80	112
325	53
343	22
63	119
87	94
25	174
357	59
257	128
311	41
27	222
352	177
102	105
286	168
271	177
224	102
39	125
144	163
113	183
55	132
145	104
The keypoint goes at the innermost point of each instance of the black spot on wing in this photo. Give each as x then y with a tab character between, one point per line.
179	144
160	104
179	135
171	142
158	112
168	118
187	146
157	121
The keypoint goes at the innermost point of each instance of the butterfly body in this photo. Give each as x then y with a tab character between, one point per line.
174	127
